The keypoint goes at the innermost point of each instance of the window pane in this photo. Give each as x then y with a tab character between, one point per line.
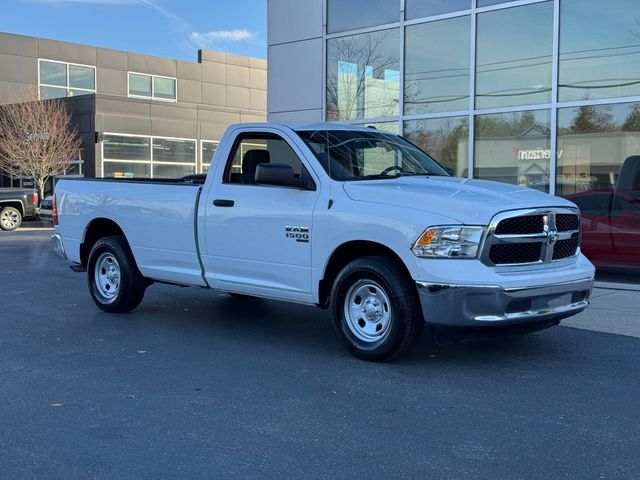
593	144
52	92
391	127
208	149
599	170
164	88
351	14
76	93
82	77
422	8
254	150
172	171
437	77
599	49
514	148
486	3
513	62
126	170
165	150
445	139
363	76
52	73
120	147
139	85
73	169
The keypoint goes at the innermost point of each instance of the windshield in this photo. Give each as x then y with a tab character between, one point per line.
364	155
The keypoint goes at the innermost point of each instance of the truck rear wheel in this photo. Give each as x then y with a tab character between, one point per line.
10	218
376	310
115	283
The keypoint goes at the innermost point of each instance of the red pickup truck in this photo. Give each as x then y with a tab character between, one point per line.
611	220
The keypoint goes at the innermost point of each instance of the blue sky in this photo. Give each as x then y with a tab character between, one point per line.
167	28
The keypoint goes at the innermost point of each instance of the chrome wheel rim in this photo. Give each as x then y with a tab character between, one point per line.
367	311
107	277
10	218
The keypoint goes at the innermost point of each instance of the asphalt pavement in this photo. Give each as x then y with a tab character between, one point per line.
196	384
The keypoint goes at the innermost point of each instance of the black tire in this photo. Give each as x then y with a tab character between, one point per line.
131	285
405	322
10	218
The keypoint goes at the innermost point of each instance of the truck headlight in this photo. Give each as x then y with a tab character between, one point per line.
449	241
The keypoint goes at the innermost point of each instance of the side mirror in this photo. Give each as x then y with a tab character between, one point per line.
281	175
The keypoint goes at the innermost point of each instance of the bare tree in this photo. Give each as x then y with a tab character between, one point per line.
36	138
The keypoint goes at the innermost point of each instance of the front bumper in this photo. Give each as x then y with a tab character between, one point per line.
485	305
58	246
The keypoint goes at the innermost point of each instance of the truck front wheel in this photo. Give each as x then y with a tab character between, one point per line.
376	311
115	283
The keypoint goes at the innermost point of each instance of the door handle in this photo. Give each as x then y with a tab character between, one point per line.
219	202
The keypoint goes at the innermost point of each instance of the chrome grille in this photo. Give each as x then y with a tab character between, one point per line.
527	237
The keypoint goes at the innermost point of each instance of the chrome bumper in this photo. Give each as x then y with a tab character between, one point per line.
58	246
478	305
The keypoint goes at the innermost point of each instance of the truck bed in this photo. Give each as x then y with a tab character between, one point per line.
157	217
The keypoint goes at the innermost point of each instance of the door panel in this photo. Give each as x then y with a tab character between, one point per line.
595	208
625	230
258	237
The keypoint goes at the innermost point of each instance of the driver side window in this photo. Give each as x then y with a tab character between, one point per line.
253	149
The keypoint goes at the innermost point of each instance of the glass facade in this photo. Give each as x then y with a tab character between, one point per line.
514	148
349	15
446	139
363	76
543	94
420	8
513	64
135	156
599	49
436	79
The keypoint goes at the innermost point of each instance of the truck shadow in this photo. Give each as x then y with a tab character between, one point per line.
252	322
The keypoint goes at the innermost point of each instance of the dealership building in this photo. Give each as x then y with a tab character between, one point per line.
537	93
138	116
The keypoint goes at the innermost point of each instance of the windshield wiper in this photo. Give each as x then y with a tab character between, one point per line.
379	176
375	177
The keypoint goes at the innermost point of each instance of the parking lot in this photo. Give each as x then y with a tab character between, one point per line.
196	384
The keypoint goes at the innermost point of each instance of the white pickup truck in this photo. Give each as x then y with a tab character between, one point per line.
343	217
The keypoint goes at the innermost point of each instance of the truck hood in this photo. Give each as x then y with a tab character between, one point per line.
471	202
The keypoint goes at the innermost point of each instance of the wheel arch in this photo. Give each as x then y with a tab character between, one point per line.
345	254
13	203
96	229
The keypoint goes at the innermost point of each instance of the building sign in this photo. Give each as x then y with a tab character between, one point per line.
535	153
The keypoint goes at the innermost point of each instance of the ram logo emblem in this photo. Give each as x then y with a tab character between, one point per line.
299	234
